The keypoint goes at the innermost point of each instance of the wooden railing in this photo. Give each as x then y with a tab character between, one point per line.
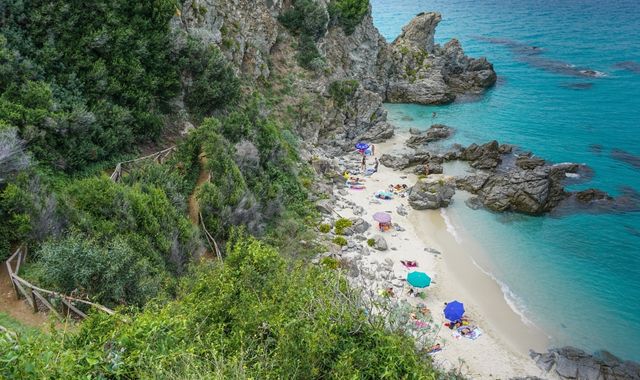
123	167
42	299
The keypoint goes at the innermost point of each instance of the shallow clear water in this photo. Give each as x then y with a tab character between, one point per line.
577	276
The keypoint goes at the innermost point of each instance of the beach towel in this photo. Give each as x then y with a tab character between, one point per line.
409	264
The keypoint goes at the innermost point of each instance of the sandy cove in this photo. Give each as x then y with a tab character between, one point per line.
502	350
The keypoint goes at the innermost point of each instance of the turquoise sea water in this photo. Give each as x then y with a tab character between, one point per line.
577	276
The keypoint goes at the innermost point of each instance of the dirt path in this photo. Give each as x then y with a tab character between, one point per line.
15	308
204	176
194	207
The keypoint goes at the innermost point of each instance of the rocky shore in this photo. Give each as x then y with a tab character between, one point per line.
504	178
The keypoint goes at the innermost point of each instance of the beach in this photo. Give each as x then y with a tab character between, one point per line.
454	262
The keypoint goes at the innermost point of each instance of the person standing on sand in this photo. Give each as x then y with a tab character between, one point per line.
375	166
363	165
373	150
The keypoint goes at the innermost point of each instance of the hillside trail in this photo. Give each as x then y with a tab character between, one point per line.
18	308
21	311
194	207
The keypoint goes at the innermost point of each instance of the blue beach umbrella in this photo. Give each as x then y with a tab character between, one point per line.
454	311
362	146
418	279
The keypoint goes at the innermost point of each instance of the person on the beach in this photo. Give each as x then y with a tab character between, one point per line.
375	166
373	150
363	164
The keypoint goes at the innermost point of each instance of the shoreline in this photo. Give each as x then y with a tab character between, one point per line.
502	350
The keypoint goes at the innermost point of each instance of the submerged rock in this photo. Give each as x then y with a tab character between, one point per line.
434	133
572	363
432	193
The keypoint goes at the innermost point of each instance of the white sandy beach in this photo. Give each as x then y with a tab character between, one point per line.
502	350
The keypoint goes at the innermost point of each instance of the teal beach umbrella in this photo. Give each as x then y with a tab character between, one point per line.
418	279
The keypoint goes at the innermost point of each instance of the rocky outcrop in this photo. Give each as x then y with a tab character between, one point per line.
572	363
434	133
432	193
486	156
415	70
527	162
527	191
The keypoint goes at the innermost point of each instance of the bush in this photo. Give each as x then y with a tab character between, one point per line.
341	225
111	274
340	240
342	90
324	228
255	316
305	17
214	84
83	84
330	262
308	53
371	242
308	20
348	13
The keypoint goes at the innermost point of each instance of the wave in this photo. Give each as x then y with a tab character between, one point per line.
512	299
450	227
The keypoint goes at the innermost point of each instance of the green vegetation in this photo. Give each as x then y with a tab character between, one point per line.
330	262
342	91
84	85
340	240
324	228
308	20
371	242
341	225
257	316
348	13
84	82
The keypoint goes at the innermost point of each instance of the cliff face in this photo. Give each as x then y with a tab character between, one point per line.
412	69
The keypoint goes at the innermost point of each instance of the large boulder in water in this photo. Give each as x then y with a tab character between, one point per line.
527	191
432	193
486	156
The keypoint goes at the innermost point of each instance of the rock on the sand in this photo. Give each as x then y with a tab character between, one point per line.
432	193
324	206
380	243
359	225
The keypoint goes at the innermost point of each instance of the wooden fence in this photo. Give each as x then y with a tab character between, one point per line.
123	167
46	300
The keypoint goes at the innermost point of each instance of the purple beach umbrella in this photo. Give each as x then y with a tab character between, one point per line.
382	217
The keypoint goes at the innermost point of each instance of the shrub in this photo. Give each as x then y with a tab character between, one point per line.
348	13
341	225
305	17
342	90
308	52
324	228
308	20
111	274
330	262
255	316
371	242
340	240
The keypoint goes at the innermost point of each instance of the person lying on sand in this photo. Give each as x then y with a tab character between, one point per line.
435	348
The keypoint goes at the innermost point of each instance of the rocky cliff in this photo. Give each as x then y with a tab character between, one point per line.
411	69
